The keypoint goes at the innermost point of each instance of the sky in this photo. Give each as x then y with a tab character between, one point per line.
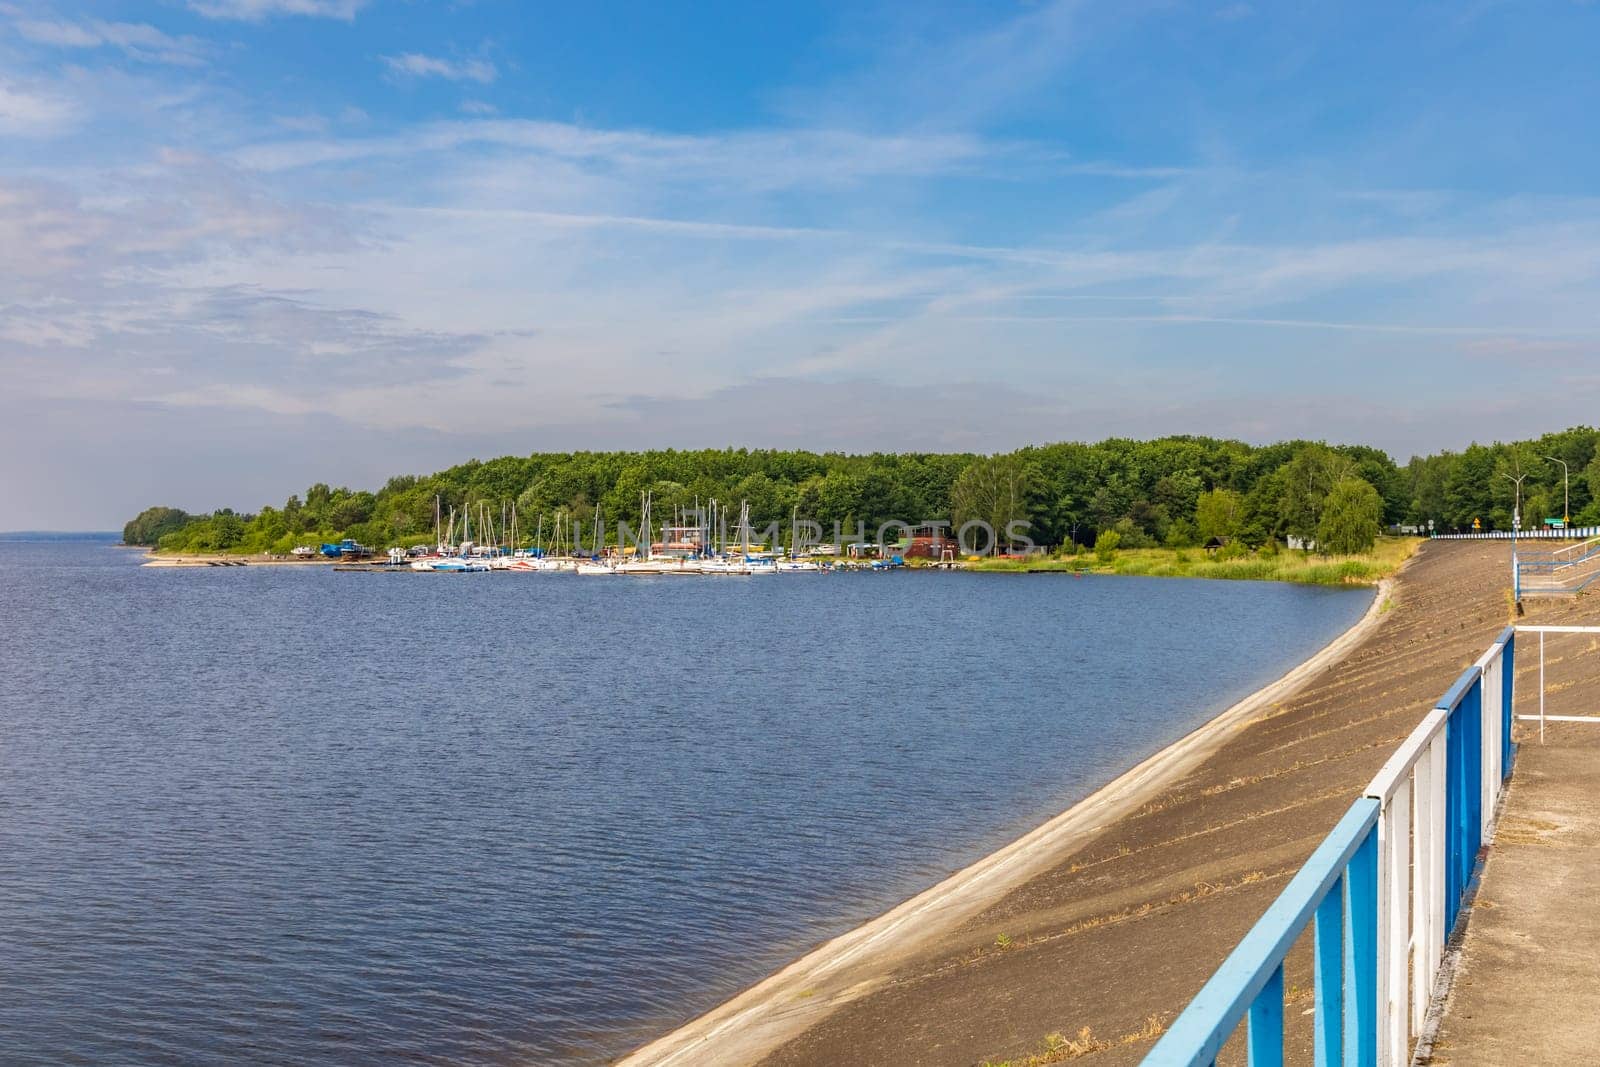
247	245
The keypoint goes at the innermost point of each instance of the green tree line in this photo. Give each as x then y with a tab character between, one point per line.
1173	490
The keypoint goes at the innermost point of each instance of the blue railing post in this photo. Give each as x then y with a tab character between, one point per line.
1463	829
1361	955
1266	1023
1508	692
1472	712
1328	978
1453	776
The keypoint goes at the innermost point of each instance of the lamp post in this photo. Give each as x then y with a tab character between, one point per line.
1516	520
1516	512
1566	496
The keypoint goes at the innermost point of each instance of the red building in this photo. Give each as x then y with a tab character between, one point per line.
931	542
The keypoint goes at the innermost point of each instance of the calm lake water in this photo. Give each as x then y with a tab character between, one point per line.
298	816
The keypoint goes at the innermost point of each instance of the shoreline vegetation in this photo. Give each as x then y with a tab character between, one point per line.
1283	565
1177	493
1386	557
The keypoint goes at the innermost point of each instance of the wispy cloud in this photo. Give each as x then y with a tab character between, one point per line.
766	157
417	65
136	40
258	10
31	113
948	74
184	208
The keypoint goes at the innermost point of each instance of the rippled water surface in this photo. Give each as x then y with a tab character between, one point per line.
298	816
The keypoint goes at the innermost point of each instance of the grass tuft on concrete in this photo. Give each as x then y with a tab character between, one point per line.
1058	1048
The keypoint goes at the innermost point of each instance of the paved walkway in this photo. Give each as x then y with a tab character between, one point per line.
1527	990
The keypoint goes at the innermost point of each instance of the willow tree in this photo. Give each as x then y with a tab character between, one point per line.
1350	516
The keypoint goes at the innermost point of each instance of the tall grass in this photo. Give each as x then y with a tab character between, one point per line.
1284	566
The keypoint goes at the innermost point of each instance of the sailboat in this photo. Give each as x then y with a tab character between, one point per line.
594	565
761	562
792	564
458	561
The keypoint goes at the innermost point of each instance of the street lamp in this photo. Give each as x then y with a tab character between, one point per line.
1566	497
1516	512
1516	520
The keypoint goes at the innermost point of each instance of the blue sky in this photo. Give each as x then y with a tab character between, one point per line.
250	244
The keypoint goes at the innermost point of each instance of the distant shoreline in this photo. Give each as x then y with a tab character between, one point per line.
153	559
1293	568
40	536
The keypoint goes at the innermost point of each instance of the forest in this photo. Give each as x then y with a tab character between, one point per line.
1176	491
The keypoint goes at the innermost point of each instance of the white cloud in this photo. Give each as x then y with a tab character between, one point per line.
766	159
26	113
478	107
417	65
257	10
55	240
137	40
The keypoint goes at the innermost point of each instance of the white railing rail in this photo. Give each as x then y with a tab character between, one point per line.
1562	558
1542	718
1567	577
1582	548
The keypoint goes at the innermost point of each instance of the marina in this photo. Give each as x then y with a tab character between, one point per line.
707	547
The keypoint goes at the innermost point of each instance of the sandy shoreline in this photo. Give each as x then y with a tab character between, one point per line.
153	560
759	1020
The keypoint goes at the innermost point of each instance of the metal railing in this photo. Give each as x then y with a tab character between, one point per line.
1542	718
1543	534
1568	570
1564	557
1384	890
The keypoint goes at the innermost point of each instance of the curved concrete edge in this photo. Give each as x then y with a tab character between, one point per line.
755	1022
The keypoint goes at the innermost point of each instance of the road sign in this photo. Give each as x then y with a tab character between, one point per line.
1557	523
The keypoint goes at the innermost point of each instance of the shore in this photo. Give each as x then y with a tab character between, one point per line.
1387	557
1283	565
221	560
1088	935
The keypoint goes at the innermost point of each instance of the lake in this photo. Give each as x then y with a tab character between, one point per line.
305	817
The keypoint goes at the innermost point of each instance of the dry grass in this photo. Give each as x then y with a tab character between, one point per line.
1059	1048
1305	568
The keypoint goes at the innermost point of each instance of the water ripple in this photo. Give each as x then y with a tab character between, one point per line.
302	817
